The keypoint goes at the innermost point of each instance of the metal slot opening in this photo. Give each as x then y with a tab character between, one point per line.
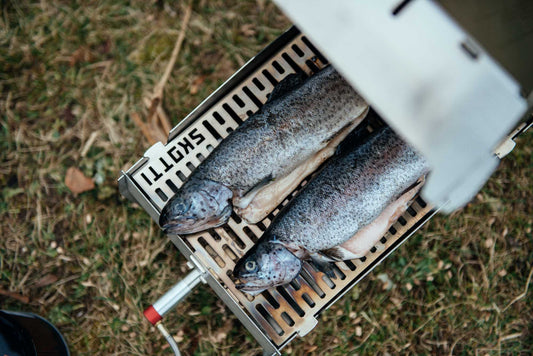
161	194
311	282
258	84
172	186
402	221
234	236
181	176
287	319
400	7
200	157
211	130
411	211
273	323
283	292
350	265
469	48
232	113
314	50
273	302
238	100
219	118
229	252
308	300
291	62
329	282
311	65
278	67
252	97
270	78
421	202
236	217
295	284
212	253
297	50
383	240
250	234
338	272
191	166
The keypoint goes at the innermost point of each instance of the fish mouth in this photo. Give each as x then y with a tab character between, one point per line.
250	288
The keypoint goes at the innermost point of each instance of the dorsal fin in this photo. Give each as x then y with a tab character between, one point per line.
288	84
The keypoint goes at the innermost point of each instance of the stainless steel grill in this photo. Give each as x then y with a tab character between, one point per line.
277	315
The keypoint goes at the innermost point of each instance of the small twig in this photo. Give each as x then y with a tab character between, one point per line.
19	297
523	294
158	90
165	122
89	143
144	129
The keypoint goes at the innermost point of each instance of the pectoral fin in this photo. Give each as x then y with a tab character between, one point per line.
244	200
322	263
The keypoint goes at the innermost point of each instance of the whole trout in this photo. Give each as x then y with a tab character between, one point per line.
340	214
264	159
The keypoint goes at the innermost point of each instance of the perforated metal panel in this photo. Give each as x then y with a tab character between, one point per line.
277	315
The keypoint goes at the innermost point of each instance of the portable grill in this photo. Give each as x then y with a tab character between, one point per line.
276	316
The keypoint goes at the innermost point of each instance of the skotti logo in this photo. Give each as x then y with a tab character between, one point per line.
176	151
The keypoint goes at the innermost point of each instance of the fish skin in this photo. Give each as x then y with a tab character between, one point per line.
348	194
286	131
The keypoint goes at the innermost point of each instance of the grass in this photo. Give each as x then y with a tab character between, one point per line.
91	263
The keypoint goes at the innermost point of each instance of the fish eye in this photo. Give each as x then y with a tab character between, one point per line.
250	266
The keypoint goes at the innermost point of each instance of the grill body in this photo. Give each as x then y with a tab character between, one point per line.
278	315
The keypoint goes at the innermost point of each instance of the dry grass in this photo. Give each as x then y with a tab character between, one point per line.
71	75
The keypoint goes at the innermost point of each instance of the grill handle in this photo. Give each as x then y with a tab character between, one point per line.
155	312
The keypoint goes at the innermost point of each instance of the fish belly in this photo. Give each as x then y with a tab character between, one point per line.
368	236
256	206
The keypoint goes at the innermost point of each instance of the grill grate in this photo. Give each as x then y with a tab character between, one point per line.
277	314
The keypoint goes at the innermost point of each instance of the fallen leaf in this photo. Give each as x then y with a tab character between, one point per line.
77	182
46	280
81	55
248	30
195	86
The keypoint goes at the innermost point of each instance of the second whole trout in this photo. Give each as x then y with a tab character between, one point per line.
264	159
339	215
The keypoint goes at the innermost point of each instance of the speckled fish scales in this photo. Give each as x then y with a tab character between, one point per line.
286	132
264	159
349	193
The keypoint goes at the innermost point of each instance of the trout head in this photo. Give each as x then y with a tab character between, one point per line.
197	206
267	264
